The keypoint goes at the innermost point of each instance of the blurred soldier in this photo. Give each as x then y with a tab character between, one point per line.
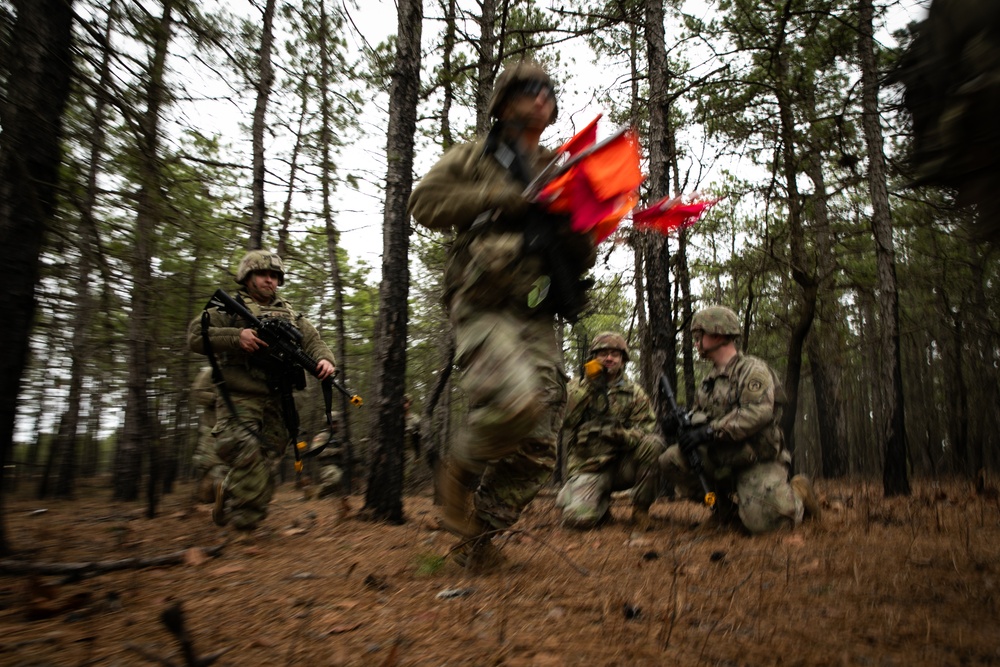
612	443
411	445
503	295
254	432
735	425
208	467
951	78
329	461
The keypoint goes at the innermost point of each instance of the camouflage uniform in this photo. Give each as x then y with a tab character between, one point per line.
505	335
411	451
253	440
328	463
742	404
209	468
612	444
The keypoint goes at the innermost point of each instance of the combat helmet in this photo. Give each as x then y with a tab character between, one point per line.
717	320
609	340
520	72
260	260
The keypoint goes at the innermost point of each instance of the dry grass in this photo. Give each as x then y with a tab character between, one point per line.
906	581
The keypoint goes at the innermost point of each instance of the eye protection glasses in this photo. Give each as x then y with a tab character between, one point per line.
533	88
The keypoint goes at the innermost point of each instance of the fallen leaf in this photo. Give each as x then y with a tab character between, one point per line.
345	604
229	569
811	566
195	556
340	629
795	541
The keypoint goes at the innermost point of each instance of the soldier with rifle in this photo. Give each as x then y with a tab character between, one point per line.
730	449
512	269
259	348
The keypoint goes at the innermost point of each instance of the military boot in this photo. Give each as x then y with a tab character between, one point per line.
478	555
640	519
219	507
803	488
454	488
205	492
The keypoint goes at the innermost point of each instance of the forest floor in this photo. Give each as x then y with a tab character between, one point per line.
903	581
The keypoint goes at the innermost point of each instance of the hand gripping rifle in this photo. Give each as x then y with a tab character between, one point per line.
284	347
683	421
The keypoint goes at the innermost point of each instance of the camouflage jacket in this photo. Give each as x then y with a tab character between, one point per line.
240	370
742	402
203	389
599	427
487	266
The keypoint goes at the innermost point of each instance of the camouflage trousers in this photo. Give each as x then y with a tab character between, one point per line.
766	501
585	498
516	390
208	467
251	444
330	477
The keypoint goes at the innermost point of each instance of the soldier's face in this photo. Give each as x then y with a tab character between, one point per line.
263	285
611	360
532	105
707	343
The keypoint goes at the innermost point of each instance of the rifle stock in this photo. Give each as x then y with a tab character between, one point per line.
684	423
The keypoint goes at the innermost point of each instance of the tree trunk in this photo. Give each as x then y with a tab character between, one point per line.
38	83
662	341
384	497
806	308
264	84
140	431
895	480
293	172
82	341
489	63
332	233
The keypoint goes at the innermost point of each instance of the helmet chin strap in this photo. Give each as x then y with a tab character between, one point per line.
707	351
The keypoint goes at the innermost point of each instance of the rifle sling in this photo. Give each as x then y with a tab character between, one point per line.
289	412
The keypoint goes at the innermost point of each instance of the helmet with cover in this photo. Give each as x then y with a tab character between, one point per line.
717	320
521	76
609	340
260	260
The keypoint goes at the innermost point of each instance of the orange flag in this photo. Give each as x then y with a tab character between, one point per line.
669	213
583	139
599	185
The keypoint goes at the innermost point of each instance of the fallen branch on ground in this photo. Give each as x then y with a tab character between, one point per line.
80	570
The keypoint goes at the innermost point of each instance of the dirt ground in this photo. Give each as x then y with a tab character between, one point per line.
909	581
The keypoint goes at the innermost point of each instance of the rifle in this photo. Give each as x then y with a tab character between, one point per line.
284	341
668	400
284	347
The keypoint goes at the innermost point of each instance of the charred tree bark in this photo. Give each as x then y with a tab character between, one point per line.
384	497
806	279
140	433
662	341
37	86
332	233
895	479
264	84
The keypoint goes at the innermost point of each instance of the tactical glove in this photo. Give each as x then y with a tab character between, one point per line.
691	438
670	425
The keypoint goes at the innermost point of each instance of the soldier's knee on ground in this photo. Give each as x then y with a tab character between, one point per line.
766	499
